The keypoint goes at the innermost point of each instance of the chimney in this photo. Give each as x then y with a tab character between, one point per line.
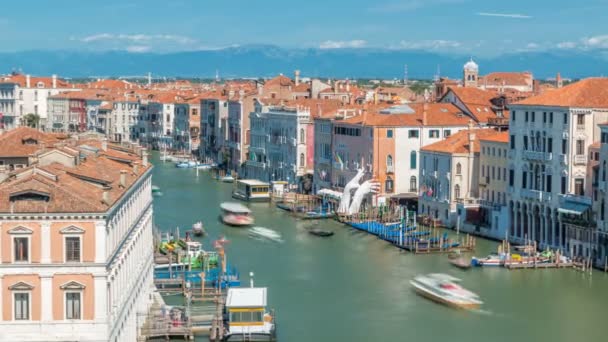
425	107
297	77
27	81
105	197
347	85
54	81
104	144
145	159
319	110
123	178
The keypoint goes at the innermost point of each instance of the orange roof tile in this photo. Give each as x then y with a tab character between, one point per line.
587	93
437	114
501	137
459	142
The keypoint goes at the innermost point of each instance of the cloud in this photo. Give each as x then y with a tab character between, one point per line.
137	38
532	46
505	15
567	45
429	44
343	44
596	42
138	48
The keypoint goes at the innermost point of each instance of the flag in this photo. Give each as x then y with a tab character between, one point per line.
429	192
337	158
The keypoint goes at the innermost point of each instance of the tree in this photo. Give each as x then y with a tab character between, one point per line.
31	120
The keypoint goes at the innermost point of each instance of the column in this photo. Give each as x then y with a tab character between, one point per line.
46	305
100	242
101	302
45	242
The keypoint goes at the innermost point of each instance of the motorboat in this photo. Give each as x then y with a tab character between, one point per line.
197	229
227	179
156	191
248	317
443	289
189	164
490	260
461	262
265	233
320	232
236	214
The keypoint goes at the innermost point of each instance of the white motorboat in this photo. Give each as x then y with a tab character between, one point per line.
227	179
443	289
266	233
236	214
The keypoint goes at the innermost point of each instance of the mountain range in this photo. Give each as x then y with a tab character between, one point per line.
269	60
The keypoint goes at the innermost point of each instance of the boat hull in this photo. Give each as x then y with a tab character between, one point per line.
440	300
250	337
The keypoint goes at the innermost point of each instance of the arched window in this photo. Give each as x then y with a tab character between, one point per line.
301	159
388	185
457	191
389	163
413	184
413	160
302	141
458	169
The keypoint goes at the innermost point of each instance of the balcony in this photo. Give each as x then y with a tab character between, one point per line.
538	156
258	164
563	159
575	198
256	149
498	121
580	127
490	204
536	195
580	159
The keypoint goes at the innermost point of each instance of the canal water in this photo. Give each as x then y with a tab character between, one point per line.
354	287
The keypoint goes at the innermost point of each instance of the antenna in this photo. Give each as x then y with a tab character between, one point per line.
405	75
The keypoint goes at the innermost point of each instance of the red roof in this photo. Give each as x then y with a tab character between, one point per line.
587	93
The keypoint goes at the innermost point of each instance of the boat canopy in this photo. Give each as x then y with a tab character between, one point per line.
250	297
253	182
234	207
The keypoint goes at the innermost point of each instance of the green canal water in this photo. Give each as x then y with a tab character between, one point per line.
354	287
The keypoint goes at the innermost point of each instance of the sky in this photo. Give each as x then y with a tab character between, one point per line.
475	27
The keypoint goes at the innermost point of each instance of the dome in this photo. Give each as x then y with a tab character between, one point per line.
471	66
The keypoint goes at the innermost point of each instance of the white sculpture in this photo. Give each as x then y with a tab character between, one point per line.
346	195
361	190
368	187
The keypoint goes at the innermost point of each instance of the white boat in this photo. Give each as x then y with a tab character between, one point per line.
248	318
227	179
197	229
236	214
252	190
266	233
490	260
443	289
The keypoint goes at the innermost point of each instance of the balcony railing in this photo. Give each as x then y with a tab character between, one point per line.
540	156
580	159
580	127
535	195
575	198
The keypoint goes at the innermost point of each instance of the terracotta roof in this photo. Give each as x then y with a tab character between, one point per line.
16	142
437	114
587	93
501	137
47	82
76	189
111	84
474	95
302	88
281	80
506	79
459	142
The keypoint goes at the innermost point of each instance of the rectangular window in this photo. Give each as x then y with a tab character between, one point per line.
21	248
580	147
579	186
389	133
434	133
72	249
525	142
565	118
548	185
524	180
526	117
564	187
447	133
513	116
72	305
550	145
504	173
544	117
533	116
412	133
512	141
564	146
22	306
511	177
580	119
550	117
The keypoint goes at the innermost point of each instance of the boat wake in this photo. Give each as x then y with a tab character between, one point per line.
265	234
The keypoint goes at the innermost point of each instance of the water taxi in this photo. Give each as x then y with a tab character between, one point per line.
252	190
236	214
248	318
490	260
265	233
443	289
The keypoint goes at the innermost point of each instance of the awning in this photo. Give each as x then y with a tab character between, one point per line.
573	208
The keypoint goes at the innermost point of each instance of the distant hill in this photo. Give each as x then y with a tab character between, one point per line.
267	60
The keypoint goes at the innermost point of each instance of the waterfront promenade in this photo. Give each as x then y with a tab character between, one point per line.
354	287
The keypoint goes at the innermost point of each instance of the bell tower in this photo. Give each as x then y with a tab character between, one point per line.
470	74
